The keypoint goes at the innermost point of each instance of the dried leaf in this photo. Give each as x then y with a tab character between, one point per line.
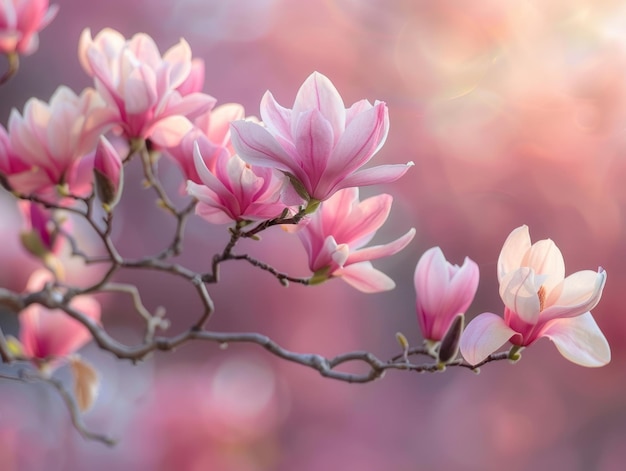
86	383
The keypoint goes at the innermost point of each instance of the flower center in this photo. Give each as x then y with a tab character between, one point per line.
542	297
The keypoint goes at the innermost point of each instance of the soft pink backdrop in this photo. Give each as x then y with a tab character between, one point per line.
513	112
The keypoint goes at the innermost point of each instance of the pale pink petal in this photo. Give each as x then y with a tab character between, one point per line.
190	106
140	93
366	218
462	287
364	277
314	143
580	340
145	50
546	259
356	109
519	292
359	142
30	181
195	80
373	176
257	146
431	279
336	211
210	206
578	293
168	132
49	16
179	59
485	334
216	125
384	250
513	251
275	117
318	92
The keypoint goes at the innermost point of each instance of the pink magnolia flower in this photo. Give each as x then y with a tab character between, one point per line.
443	291
319	143
20	23
39	235
51	333
335	236
46	147
212	133
142	87
540	302
235	191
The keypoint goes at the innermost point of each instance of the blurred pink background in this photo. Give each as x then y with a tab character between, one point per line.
513	112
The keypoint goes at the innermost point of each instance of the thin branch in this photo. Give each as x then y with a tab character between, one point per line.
72	408
283	278
153	321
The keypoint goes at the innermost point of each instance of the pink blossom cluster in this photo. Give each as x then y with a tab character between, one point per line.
539	302
302	165
305	162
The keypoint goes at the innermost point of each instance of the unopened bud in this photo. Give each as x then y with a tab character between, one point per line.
108	173
298	186
402	341
449	347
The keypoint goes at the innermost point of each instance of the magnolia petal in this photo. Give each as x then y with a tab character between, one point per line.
431	280
513	251
580	340
145	50
190	106
485	334
275	117
257	146
335	217
364	277
545	258
519	292
195	79
384	250
373	176
314	143
462	287
179	59
366	218
140	91
359	142
318	93
218	131
578	293
168	132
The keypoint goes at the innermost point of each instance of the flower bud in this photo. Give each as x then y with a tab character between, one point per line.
449	347
108	173
443	291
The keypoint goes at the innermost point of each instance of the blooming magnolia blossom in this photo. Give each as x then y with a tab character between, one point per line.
335	236
235	191
39	235
151	95
443	291
47	146
540	302
319	143
20	23
51	333
212	133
